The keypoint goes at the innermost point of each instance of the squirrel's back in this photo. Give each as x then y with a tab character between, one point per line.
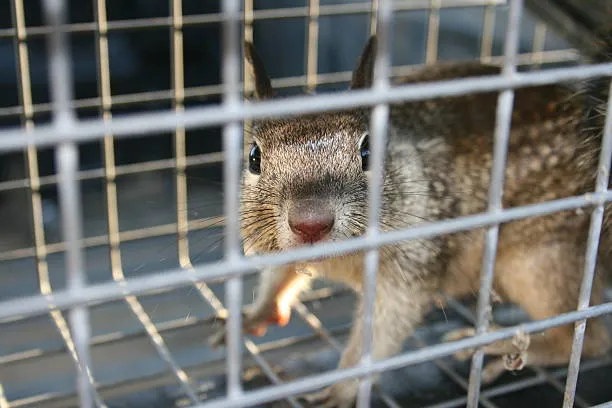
553	150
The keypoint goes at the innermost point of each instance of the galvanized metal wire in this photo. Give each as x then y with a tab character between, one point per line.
65	132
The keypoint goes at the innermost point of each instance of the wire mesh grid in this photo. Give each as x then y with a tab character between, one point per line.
80	298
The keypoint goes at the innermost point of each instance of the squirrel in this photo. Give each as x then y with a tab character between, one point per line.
306	181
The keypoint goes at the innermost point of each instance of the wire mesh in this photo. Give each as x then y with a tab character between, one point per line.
65	132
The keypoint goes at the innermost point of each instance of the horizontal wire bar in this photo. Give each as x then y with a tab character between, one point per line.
317	326
125	236
277	346
110	390
269	14
317	381
33	305
121	170
453	375
525	59
166	121
181	323
549	378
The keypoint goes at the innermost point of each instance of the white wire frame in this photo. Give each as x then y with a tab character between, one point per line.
65	132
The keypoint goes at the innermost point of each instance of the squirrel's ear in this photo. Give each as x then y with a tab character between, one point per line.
263	86
362	76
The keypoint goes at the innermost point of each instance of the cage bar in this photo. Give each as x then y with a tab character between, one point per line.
79	295
33	305
313	382
112	206
455	377
124	236
60	79
265	14
40	250
232	146
496	187
433	32
378	130
537	49
312	44
547	57
145	123
590	262
317	326
488	29
67	157
374	16
180	153
543	376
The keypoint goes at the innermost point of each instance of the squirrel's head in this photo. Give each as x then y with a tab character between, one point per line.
305	178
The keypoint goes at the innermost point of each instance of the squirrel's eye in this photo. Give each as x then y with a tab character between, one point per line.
364	151
255	159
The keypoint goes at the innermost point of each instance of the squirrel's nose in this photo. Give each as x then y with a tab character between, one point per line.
310	219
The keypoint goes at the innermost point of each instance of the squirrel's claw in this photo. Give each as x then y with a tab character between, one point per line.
254	327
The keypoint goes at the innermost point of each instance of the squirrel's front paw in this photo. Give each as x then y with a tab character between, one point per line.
254	327
254	322
341	395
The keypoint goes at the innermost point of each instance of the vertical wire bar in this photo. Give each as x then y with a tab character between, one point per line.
248	29
209	296
312	44
203	289
40	246
550	379
374	17
232	145
539	39
451	373
378	129
25	94
590	262
317	326
60	75
180	153
247	80
60	79
433	32
112	207
496	187
3	401
108	140
488	30
67	158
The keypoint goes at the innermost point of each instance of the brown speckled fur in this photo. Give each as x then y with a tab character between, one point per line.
437	167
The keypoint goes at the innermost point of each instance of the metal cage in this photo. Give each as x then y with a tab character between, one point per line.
68	303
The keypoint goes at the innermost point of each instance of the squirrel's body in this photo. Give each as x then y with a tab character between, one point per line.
553	153
307	182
